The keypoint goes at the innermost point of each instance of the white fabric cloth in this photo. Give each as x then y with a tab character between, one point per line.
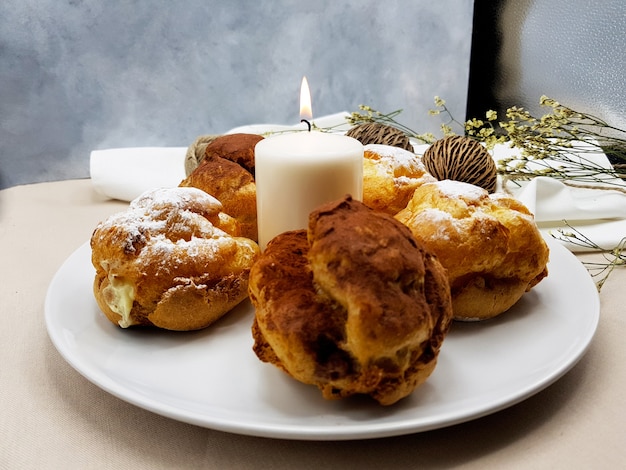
125	173
551	200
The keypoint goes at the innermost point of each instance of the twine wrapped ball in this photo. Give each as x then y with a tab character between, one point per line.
375	133
460	158
195	152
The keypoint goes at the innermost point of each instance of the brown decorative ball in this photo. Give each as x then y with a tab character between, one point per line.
195	152
375	133
460	158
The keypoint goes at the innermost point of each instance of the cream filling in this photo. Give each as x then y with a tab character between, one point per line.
119	296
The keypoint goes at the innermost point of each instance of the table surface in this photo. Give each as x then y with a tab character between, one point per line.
52	417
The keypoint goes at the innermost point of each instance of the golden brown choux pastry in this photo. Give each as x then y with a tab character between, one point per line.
354	305
390	175
489	244
167	262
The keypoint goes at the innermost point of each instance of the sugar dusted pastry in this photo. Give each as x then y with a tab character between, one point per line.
169	261
390	175
489	244
354	305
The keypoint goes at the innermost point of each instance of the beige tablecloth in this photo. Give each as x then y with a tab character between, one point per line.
51	417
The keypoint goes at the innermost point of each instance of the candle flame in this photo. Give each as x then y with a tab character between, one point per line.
305	101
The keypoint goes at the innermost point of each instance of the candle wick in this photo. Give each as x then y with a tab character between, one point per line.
307	123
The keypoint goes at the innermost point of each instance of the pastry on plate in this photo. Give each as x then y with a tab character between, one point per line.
353	305
169	261
489	244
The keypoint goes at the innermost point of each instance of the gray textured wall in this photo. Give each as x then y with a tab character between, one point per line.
81	75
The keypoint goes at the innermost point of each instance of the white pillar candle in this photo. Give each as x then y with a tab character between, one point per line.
295	173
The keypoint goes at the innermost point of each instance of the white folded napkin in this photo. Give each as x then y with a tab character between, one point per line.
125	173
551	200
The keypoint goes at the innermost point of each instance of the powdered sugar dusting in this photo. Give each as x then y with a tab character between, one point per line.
443	220
504	200
460	190
436	215
399	161
180	197
164	216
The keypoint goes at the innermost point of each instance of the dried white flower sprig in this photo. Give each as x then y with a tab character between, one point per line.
613	258
559	144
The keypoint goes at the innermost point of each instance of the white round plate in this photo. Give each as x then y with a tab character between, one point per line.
212	378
